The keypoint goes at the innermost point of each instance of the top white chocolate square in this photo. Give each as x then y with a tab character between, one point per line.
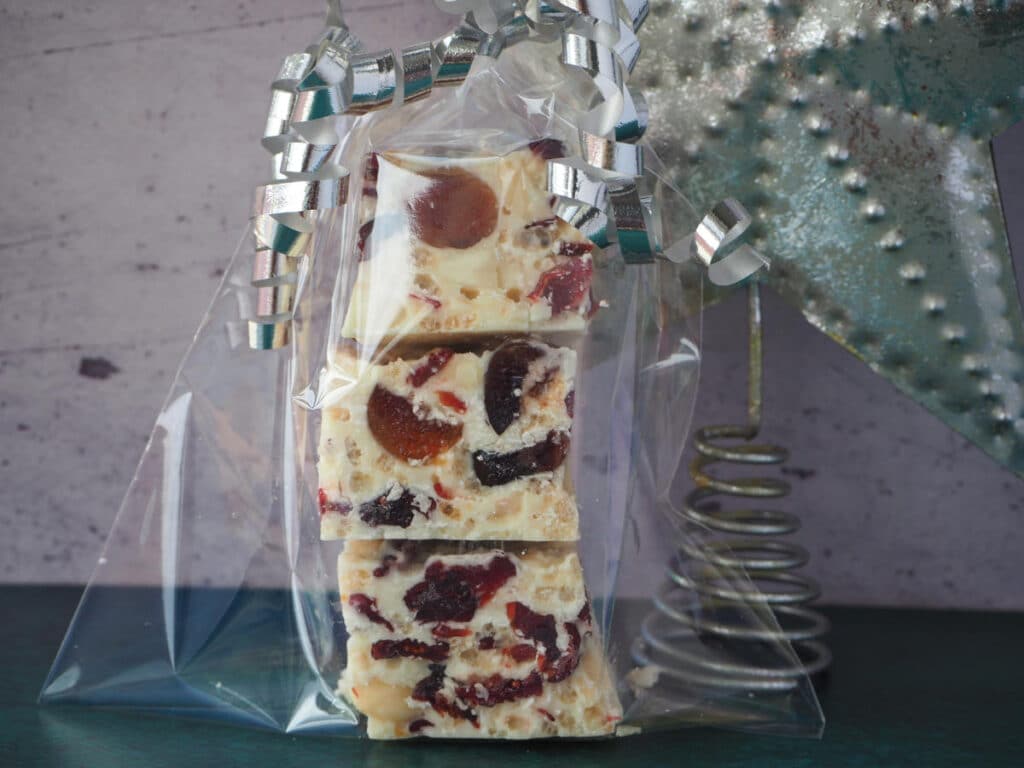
462	246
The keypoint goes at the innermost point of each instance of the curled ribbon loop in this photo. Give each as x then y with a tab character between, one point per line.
598	188
716	244
604	45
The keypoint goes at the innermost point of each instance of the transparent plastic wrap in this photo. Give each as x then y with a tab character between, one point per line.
448	508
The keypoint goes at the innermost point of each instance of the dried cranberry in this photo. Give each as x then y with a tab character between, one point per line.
499	468
485	643
457	210
539	627
557	670
362	236
407	549
385	510
443	596
418	725
544	712
410	649
574	249
522	652
443	492
565	287
584	614
547	148
429	690
499	690
451	400
385	565
570	403
446	632
372	170
503	381
367	606
435	361
395	425
331	506
453	593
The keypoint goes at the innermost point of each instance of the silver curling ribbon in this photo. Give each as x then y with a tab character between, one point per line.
272	268
582	198
605	47
374	79
717	244
419	67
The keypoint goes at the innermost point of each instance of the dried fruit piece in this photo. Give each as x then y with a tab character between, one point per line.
395	425
429	690
522	652
406	550
389	509
499	468
409	648
362	236
370	174
485	643
539	627
453	593
326	505
457	210
584	614
446	632
418	725
503	381
367	606
499	690
565	287
443	492
574	248
570	403
385	566
567	662
547	148
435	361
451	400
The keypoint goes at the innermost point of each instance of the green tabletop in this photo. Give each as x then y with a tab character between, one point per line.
908	688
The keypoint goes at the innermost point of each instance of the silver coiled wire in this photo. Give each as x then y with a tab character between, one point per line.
734	602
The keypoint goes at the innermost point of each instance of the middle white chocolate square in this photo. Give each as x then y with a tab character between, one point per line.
450	446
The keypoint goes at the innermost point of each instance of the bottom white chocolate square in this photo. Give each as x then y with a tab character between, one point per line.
471	641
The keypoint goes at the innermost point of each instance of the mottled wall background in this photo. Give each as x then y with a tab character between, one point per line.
129	136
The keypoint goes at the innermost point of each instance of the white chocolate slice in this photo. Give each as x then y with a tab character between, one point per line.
530	272
367	491
484	675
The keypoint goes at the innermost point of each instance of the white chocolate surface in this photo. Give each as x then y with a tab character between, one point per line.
408	289
548	580
355	468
